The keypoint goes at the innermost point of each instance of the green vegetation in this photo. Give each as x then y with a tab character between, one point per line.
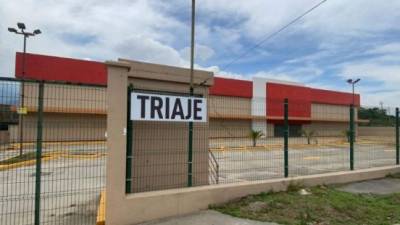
376	116
347	134
255	135
19	158
7	115
395	175
309	134
325	205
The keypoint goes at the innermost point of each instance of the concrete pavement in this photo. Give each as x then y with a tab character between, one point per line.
380	186
207	217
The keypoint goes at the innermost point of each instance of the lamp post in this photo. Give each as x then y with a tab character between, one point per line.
190	147
22	27
352	133
353	82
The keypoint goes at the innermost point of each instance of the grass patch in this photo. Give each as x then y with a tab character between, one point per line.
20	158
394	175
324	206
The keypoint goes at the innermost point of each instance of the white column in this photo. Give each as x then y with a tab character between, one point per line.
258	105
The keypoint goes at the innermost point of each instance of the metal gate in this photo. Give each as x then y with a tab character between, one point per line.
52	152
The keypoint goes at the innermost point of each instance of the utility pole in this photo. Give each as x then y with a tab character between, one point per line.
190	150
22	31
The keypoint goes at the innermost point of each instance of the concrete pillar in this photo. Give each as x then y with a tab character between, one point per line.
259	105
160	149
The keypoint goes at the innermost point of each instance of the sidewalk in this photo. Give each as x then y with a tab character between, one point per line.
207	217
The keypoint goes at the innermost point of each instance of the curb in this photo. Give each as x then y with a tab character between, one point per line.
101	211
25	163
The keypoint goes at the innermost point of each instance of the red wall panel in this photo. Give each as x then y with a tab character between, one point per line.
334	97
42	67
232	87
299	100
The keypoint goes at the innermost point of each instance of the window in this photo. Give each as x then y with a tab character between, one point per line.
294	130
3	127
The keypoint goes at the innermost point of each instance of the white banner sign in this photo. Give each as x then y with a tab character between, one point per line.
153	107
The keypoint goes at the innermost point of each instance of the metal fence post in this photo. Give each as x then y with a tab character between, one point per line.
190	151
397	138
351	137
39	153
128	169
286	137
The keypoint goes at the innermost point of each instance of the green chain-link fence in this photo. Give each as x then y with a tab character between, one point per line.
243	146
53	173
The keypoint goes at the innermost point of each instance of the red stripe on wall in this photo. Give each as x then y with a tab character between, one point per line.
232	87
41	67
334	97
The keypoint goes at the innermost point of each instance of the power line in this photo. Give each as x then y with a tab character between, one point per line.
272	35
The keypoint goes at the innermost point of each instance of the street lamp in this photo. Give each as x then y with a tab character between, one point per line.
353	82
22	27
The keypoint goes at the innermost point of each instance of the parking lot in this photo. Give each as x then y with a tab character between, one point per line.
70	187
245	165
74	175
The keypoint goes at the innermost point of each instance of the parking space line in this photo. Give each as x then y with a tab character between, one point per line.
312	158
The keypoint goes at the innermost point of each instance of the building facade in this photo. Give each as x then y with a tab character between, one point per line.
235	107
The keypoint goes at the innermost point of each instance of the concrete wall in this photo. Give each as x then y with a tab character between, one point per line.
325	112
231	128
223	128
71	113
67	98
327	129
4	137
229	107
62	127
377	131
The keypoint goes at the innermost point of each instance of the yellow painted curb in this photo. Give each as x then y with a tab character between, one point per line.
25	163
83	156
101	211
46	144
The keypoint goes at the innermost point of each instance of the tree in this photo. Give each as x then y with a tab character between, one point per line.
255	135
376	116
309	134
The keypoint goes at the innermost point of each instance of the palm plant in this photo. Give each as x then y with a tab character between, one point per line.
347	134
309	134
255	135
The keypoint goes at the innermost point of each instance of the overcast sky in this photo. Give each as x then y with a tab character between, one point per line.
339	40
